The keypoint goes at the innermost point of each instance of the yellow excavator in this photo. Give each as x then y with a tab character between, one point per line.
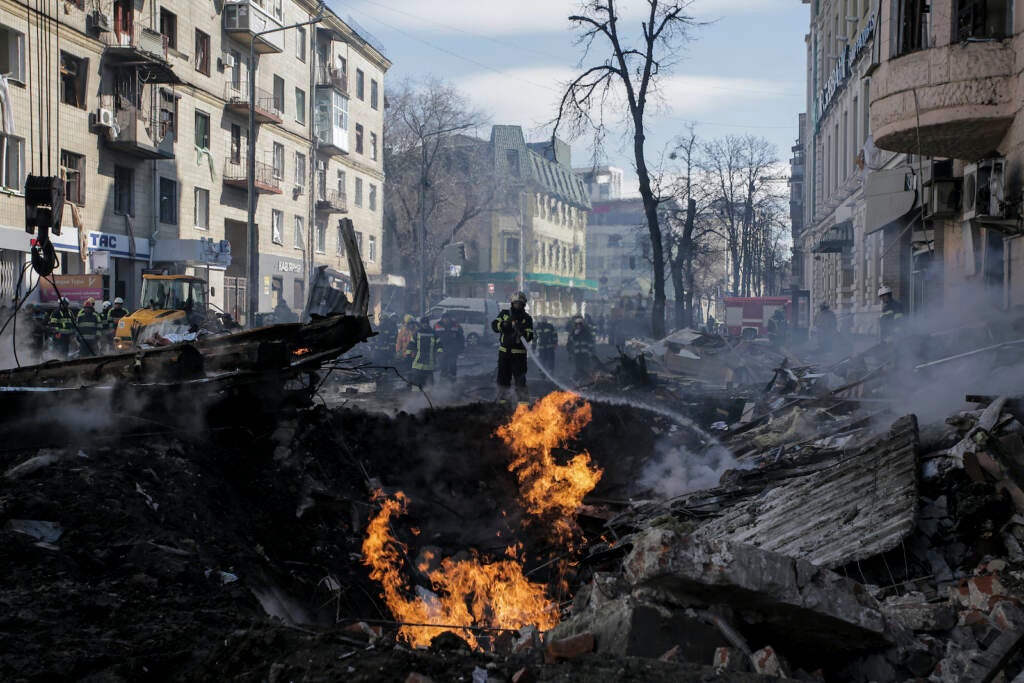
169	303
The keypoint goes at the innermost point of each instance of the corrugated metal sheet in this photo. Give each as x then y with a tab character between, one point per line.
860	507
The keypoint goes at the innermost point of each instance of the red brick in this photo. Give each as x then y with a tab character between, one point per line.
569	648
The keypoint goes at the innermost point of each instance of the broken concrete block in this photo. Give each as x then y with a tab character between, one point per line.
982	628
913	611
815	605
568	649
729	660
632	627
768	663
978	592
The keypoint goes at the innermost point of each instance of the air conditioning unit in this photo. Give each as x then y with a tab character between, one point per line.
943	198
105	118
101	21
227	61
983	189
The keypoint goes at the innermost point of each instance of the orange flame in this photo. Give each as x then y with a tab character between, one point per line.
548	489
467	592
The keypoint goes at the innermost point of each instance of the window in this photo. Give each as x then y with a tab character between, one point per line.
202	210
300	105
359	241
202	130
14	163
236	70
277	226
359	192
321	238
73	77
168	115
359	138
360	84
124	191
279	94
12	53
373	146
74	176
371	254
982	19
168	201
202	56
341	183
278	160
911	22
512	156
373	197
169	28
300	169
236	144
340	248
374	94
299	241
511	251
300	43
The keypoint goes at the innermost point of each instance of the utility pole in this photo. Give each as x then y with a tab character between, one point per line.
252	233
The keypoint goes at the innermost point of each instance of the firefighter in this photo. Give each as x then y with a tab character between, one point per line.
580	346
62	326
453	340
89	325
514	327
545	341
890	322
403	339
826	327
778	327
424	350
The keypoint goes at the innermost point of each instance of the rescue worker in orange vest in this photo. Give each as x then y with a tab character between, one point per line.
514	327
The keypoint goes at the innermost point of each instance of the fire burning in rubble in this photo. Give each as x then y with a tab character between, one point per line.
547	489
467	592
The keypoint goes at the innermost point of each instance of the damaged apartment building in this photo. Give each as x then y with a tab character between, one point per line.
149	127
913	155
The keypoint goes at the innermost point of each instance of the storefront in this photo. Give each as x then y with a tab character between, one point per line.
282	278
119	258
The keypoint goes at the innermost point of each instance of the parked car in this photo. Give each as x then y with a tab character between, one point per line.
475	316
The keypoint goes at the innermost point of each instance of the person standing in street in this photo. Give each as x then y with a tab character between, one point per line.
62	326
403	340
514	327
453	340
424	350
89	324
890	322
580	346
826	327
545	341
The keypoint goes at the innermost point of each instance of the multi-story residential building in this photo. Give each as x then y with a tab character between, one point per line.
150	131
603	182
856	203
947	89
540	235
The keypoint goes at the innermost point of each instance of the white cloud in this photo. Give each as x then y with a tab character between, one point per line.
501	18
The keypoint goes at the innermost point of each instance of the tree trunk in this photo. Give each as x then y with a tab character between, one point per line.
653	228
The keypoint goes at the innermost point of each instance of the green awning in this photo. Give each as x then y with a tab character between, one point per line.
549	279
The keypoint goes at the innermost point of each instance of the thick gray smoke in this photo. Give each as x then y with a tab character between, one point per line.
676	470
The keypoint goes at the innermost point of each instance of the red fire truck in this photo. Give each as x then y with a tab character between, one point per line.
748	316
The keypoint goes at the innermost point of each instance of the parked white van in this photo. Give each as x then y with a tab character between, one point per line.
475	316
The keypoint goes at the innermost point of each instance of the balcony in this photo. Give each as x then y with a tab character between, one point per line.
135	130
964	97
332	77
265	111
140	46
236	175
331	201
330	124
244	19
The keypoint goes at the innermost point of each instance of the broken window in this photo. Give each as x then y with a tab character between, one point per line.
298	239
124	191
202	56
202	130
277	226
73	76
982	20
169	28
73	167
13	167
168	201
278	161
911	22
236	144
359	138
168	115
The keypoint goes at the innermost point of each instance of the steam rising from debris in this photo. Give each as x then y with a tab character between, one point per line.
676	470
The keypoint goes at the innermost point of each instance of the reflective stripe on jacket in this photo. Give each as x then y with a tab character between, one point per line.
425	346
89	323
512	341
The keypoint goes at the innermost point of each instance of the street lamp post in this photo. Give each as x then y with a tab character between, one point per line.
251	231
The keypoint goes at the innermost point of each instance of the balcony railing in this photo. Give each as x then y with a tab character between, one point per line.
136	130
267	110
143	47
332	77
244	19
237	175
331	201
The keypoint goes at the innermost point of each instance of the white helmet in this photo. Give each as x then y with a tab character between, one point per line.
105	305
118	300
884	289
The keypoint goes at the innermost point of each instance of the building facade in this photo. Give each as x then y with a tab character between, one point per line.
947	89
858	202
143	109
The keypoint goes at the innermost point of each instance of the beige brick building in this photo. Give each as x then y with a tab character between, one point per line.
143	107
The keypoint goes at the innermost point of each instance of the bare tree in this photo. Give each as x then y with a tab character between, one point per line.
629	71
439	179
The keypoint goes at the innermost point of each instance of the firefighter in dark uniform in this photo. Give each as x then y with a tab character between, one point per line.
545	341
114	314
424	349
580	346
62	326
514	327
453	340
890	322
89	325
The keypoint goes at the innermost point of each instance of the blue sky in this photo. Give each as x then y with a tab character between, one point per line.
741	73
